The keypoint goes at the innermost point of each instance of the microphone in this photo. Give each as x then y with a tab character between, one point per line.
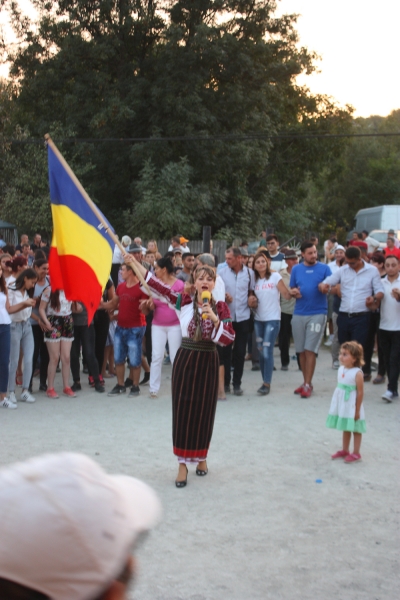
206	297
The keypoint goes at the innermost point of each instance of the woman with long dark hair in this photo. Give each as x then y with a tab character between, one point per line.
56	314
17	264
267	316
204	323
20	294
5	340
41	267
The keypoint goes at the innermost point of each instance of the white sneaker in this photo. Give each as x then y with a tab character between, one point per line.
153	395
11	398
27	397
335	364
388	396
329	341
6	403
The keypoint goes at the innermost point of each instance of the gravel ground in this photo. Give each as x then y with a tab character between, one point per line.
260	525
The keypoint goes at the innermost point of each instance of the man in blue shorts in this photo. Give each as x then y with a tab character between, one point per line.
309	318
130	329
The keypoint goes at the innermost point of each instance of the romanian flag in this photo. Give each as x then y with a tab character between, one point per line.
81	249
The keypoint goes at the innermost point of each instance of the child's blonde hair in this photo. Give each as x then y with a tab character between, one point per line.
356	351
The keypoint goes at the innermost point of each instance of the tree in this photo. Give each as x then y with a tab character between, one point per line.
366	175
218	74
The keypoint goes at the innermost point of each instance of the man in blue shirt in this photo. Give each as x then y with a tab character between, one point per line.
309	318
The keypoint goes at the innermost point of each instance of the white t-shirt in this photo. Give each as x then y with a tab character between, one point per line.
4	316
268	296
390	308
15	297
219	290
65	305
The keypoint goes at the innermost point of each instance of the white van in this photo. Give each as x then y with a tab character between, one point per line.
378	217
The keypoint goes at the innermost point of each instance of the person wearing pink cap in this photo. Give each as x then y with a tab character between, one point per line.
70	529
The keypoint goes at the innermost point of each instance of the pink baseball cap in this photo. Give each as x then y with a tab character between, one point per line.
68	527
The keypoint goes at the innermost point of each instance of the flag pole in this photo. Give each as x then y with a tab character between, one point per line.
93	207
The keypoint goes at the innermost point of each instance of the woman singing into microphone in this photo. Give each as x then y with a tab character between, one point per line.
204	324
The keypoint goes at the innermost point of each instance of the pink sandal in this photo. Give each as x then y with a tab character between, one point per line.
352	458
340	454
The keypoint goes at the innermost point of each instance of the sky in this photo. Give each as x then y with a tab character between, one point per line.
358	41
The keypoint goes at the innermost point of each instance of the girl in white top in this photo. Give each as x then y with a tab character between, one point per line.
4	342
346	412
21	332
55	312
267	316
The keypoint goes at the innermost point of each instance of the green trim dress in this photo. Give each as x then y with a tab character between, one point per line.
343	404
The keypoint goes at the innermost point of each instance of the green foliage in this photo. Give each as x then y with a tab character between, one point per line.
24	191
191	69
169	188
367	174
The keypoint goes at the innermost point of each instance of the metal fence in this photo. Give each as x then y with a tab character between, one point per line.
196	246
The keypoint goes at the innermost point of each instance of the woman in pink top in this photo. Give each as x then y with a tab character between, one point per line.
165	327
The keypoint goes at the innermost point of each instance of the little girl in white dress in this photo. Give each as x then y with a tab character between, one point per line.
346	412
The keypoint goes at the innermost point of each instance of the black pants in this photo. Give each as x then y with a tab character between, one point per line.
390	343
147	335
39	349
370	343
101	324
353	329
235	356
285	336
84	335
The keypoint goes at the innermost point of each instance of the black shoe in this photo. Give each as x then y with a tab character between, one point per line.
30	390
263	390
117	390
135	391
85	369
99	387
145	379
238	391
285	368
128	382
227	389
43	387
76	387
201	472
256	367
182	484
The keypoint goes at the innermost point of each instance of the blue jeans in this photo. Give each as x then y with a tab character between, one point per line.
128	343
21	338
266	334
5	345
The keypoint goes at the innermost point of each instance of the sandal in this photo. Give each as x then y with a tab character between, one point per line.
201	472
340	454
352	458
379	379
182	484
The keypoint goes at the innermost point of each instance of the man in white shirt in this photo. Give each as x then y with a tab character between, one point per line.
389	327
239	281
373	244
361	291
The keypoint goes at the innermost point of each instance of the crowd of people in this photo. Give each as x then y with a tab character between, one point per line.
206	320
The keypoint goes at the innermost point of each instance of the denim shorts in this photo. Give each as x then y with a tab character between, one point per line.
128	344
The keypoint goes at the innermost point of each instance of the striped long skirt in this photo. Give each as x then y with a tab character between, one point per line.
194	398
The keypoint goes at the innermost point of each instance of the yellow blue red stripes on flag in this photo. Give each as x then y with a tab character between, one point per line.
81	250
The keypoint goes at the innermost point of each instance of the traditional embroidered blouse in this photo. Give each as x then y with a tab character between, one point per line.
183	304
